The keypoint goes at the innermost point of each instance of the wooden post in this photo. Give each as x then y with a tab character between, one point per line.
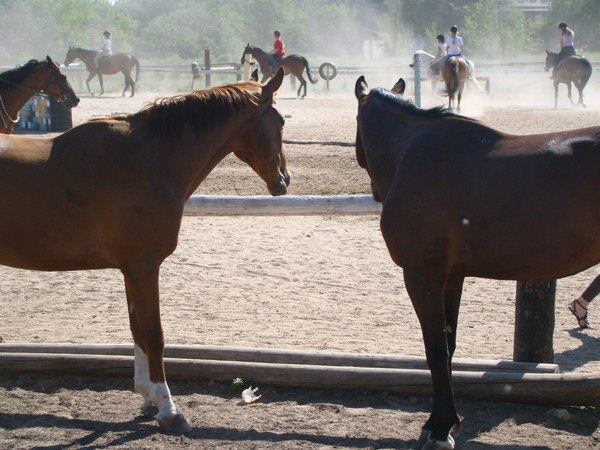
207	65
534	321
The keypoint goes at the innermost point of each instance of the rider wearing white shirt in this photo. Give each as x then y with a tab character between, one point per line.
455	47
106	49
454	44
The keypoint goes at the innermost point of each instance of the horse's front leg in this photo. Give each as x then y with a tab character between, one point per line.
555	94
141	287
87	82
426	288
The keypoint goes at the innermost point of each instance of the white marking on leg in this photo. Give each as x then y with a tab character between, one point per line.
161	397
142	376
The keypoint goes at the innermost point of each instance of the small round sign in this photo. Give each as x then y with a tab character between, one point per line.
327	71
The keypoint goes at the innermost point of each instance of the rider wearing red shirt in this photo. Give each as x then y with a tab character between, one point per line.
278	45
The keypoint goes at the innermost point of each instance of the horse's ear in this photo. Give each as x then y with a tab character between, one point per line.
547	52
254	75
49	60
360	88
399	87
274	84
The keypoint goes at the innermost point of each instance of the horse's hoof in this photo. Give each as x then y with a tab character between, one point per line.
175	424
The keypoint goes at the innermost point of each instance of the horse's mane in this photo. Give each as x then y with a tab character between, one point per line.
406	105
13	77
200	109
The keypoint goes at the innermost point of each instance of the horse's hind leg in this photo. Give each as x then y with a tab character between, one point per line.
569	93
141	287
580	90
302	86
427	289
101	83
129	82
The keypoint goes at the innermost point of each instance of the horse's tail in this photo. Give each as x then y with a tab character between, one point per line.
587	73
306	66
137	67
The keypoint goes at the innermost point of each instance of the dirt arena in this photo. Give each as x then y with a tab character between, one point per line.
312	283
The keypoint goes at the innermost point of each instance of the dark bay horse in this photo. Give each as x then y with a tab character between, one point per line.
455	73
18	85
269	64
107	65
573	69
460	200
110	193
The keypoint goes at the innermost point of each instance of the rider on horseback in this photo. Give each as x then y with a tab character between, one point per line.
567	39
440	58
455	47
106	49
278	46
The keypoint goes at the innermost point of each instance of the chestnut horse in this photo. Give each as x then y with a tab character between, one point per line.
107	65
573	69
460	200
455	73
269	64
110	193
18	85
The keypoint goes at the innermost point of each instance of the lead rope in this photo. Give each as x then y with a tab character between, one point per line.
6	114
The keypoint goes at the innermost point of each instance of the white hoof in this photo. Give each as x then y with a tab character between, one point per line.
433	444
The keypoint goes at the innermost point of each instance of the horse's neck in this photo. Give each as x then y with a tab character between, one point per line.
87	56
203	152
12	101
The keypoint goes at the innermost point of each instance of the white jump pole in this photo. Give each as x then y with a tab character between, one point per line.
289	205
246	67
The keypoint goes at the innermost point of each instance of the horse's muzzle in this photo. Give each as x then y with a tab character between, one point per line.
281	187
69	101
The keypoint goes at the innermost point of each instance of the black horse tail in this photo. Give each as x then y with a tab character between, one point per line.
305	61
587	72
137	67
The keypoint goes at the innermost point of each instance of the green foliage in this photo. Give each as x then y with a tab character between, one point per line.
178	31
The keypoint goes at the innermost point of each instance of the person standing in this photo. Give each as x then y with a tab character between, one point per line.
567	47
106	49
278	46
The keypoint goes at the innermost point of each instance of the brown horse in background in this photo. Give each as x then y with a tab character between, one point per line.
107	65
269	64
18	85
460	200
455	74
110	194
573	69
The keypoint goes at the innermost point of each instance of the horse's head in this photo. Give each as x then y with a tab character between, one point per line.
247	51
56	84
71	55
262	145
550	58
361	90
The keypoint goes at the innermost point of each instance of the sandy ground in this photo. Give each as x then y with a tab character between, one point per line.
313	283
